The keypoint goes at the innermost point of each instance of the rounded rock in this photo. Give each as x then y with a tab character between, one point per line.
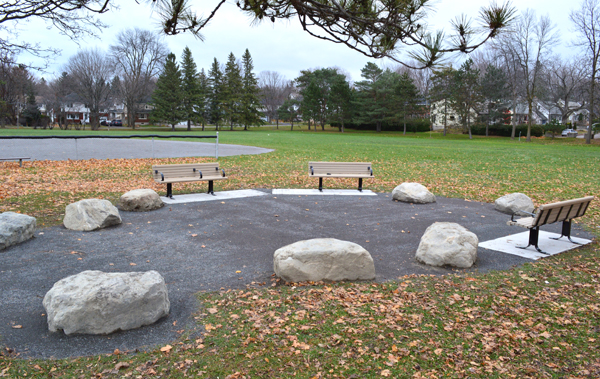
326	259
413	193
140	200
447	243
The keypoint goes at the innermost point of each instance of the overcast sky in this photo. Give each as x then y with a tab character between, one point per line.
281	46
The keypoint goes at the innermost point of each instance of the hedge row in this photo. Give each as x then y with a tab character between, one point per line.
413	126
506	130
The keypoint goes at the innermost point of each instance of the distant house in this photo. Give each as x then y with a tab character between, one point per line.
443	114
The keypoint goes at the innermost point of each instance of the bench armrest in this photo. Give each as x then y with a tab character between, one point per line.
200	172
312	170
223	172
371	170
162	177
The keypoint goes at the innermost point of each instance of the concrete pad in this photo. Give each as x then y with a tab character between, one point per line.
226	195
509	244
325	192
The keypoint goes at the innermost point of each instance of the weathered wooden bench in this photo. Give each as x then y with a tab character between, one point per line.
564	211
358	170
189	172
15	159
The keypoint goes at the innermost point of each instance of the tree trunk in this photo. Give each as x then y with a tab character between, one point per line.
529	119
589	136
189	124
445	116
514	119
379	125
309	125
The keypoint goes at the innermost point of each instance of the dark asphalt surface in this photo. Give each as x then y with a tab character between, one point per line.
100	148
239	234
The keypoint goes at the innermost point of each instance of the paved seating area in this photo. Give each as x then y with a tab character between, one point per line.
199	246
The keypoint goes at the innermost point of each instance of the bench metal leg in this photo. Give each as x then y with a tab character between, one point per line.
20	163
360	184
320	184
210	188
170	190
566	232
534	235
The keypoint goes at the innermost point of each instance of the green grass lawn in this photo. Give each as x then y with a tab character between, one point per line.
539	320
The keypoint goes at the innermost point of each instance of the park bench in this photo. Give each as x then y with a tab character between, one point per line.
189	172
564	211
15	159
322	170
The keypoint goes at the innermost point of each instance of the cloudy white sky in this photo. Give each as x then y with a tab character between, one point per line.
281	46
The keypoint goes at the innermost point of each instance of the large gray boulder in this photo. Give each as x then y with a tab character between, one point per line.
323	259
15	228
413	193
514	203
95	302
140	200
447	243
91	214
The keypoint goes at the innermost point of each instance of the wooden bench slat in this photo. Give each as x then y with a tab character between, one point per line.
563	211
359	170
187	172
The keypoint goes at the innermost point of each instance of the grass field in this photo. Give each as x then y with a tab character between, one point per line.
540	320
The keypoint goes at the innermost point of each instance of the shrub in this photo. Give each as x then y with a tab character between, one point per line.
412	125
502	130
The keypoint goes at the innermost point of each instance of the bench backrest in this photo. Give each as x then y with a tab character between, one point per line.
186	170
561	211
339	168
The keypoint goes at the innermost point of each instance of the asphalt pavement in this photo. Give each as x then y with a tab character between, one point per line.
200	246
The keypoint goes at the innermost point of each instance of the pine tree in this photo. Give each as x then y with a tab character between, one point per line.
250	101
168	95
215	93
203	89
190	87
31	112
232	90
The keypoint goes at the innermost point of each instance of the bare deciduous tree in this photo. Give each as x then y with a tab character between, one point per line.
91	73
527	45
72	17
564	84
587	26
138	56
274	90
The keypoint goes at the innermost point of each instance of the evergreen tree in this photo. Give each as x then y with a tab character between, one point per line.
406	96
250	101
215	93
467	94
31	112
203	91
168	96
341	101
289	111
191	88
317	96
373	95
494	90
441	91
232	91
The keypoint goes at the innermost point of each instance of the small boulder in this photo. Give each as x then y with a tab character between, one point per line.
91	214
15	228
327	259
413	193
95	302
447	243
514	203
140	200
